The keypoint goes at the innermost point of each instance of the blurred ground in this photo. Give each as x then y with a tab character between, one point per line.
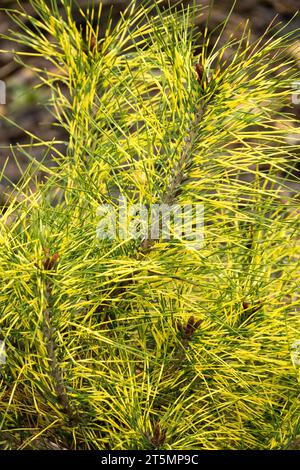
24	105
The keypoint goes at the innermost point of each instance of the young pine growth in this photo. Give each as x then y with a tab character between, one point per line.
100	262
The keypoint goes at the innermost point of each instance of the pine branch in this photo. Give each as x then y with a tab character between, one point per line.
49	333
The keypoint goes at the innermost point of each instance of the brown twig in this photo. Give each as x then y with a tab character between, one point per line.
178	175
248	311
48	330
158	437
187	331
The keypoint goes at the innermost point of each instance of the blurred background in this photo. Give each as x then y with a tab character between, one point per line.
25	105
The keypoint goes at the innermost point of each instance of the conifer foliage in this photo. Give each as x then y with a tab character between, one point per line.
133	343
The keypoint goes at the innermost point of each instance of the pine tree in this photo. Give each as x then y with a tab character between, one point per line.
174	342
